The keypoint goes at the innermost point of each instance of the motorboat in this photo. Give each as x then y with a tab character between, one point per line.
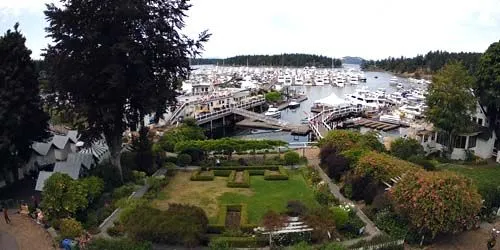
319	81
273	112
399	86
390	119
393	81
293	104
263	131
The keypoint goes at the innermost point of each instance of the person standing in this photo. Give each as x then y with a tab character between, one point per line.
6	215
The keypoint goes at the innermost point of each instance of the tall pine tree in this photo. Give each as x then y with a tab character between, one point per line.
22	119
114	61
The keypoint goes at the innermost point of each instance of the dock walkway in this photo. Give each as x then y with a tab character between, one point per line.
378	125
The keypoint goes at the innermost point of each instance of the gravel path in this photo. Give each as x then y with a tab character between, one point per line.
23	234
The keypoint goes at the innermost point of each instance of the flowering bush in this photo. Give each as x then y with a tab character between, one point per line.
382	167
437	202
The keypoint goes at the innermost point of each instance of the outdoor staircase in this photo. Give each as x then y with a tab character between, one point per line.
260	117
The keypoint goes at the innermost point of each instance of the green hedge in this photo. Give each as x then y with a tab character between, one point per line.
219	226
283	175
222	172
253	172
196	176
241	242
231	181
274	168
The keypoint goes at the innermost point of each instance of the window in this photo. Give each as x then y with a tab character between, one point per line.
480	121
460	141
474	119
432	136
426	138
472	141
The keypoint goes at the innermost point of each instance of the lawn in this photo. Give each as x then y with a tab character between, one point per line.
483	176
260	197
271	195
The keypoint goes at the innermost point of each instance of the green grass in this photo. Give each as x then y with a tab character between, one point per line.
484	177
271	195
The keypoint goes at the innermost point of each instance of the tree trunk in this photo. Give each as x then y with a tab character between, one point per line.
115	150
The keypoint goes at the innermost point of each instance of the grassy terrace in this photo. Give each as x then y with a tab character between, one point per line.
483	176
260	197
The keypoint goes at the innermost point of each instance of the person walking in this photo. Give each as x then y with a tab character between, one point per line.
6	215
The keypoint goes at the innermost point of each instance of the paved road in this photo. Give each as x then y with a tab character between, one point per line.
7	242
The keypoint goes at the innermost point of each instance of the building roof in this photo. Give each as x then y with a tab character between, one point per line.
84	159
42	177
42	148
73	135
60	141
98	149
69	168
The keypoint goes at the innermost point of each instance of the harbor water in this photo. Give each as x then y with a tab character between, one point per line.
374	81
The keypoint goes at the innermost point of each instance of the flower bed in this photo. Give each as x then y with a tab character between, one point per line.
233	182
272	176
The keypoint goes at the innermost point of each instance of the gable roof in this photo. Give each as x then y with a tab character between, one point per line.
42	148
87	160
60	141
71	169
42	177
73	135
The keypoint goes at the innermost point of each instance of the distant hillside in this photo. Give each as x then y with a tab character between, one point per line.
288	60
352	60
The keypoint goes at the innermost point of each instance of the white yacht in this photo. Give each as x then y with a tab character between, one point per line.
293	104
273	112
394	119
396	97
399	86
318	81
411	110
353	80
288	81
340	81
394	81
299	81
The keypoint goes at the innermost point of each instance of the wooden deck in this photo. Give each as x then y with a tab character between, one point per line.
378	125
295	129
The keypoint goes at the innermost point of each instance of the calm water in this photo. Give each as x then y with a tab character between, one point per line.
315	93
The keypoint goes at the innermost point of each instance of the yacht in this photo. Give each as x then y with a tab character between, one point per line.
390	119
299	81
293	104
288	81
273	112
399	86
361	97
393	81
396	97
340	81
318	81
411	110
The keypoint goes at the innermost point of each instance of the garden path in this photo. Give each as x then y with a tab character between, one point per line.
312	155
109	222
22	234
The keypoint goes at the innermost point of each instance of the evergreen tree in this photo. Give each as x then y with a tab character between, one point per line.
488	81
114	61
22	119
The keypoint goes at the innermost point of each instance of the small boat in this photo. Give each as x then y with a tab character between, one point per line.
393	81
273	112
263	131
390	119
399	86
294	104
376	77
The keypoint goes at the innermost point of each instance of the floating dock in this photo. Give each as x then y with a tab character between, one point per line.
294	129
287	103
378	125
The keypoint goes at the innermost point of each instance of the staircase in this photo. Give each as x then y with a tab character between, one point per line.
176	113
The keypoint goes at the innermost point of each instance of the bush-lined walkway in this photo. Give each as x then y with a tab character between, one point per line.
23	234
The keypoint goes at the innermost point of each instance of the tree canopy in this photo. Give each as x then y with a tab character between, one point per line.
114	61
289	60
273	96
22	119
431	62
488	81
404	148
450	100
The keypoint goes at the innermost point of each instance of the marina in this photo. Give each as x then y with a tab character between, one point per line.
314	101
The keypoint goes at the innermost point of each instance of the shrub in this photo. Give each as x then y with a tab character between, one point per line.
353	155
352	227
437	202
123	191
207	176
296	208
70	228
171	159
340	216
115	231
321	219
341	139
323	195
382	167
242	162
238	242
180	224
121	244
270	176
183	160
138	177
110	175
62	196
404	148
420	160
334	163
292	158
391	223
197	155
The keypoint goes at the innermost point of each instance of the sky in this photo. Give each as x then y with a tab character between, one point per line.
372	29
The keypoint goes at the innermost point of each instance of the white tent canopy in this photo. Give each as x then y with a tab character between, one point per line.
333	101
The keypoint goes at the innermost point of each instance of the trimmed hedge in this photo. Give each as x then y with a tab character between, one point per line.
196	176
222	172
241	242
219	227
274	168
231	181
253	172
283	175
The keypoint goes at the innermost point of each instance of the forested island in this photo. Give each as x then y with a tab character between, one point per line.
288	60
423	64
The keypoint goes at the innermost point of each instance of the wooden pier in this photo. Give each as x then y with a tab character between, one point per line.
378	125
294	129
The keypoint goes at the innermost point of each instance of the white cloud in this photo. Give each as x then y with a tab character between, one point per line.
368	28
